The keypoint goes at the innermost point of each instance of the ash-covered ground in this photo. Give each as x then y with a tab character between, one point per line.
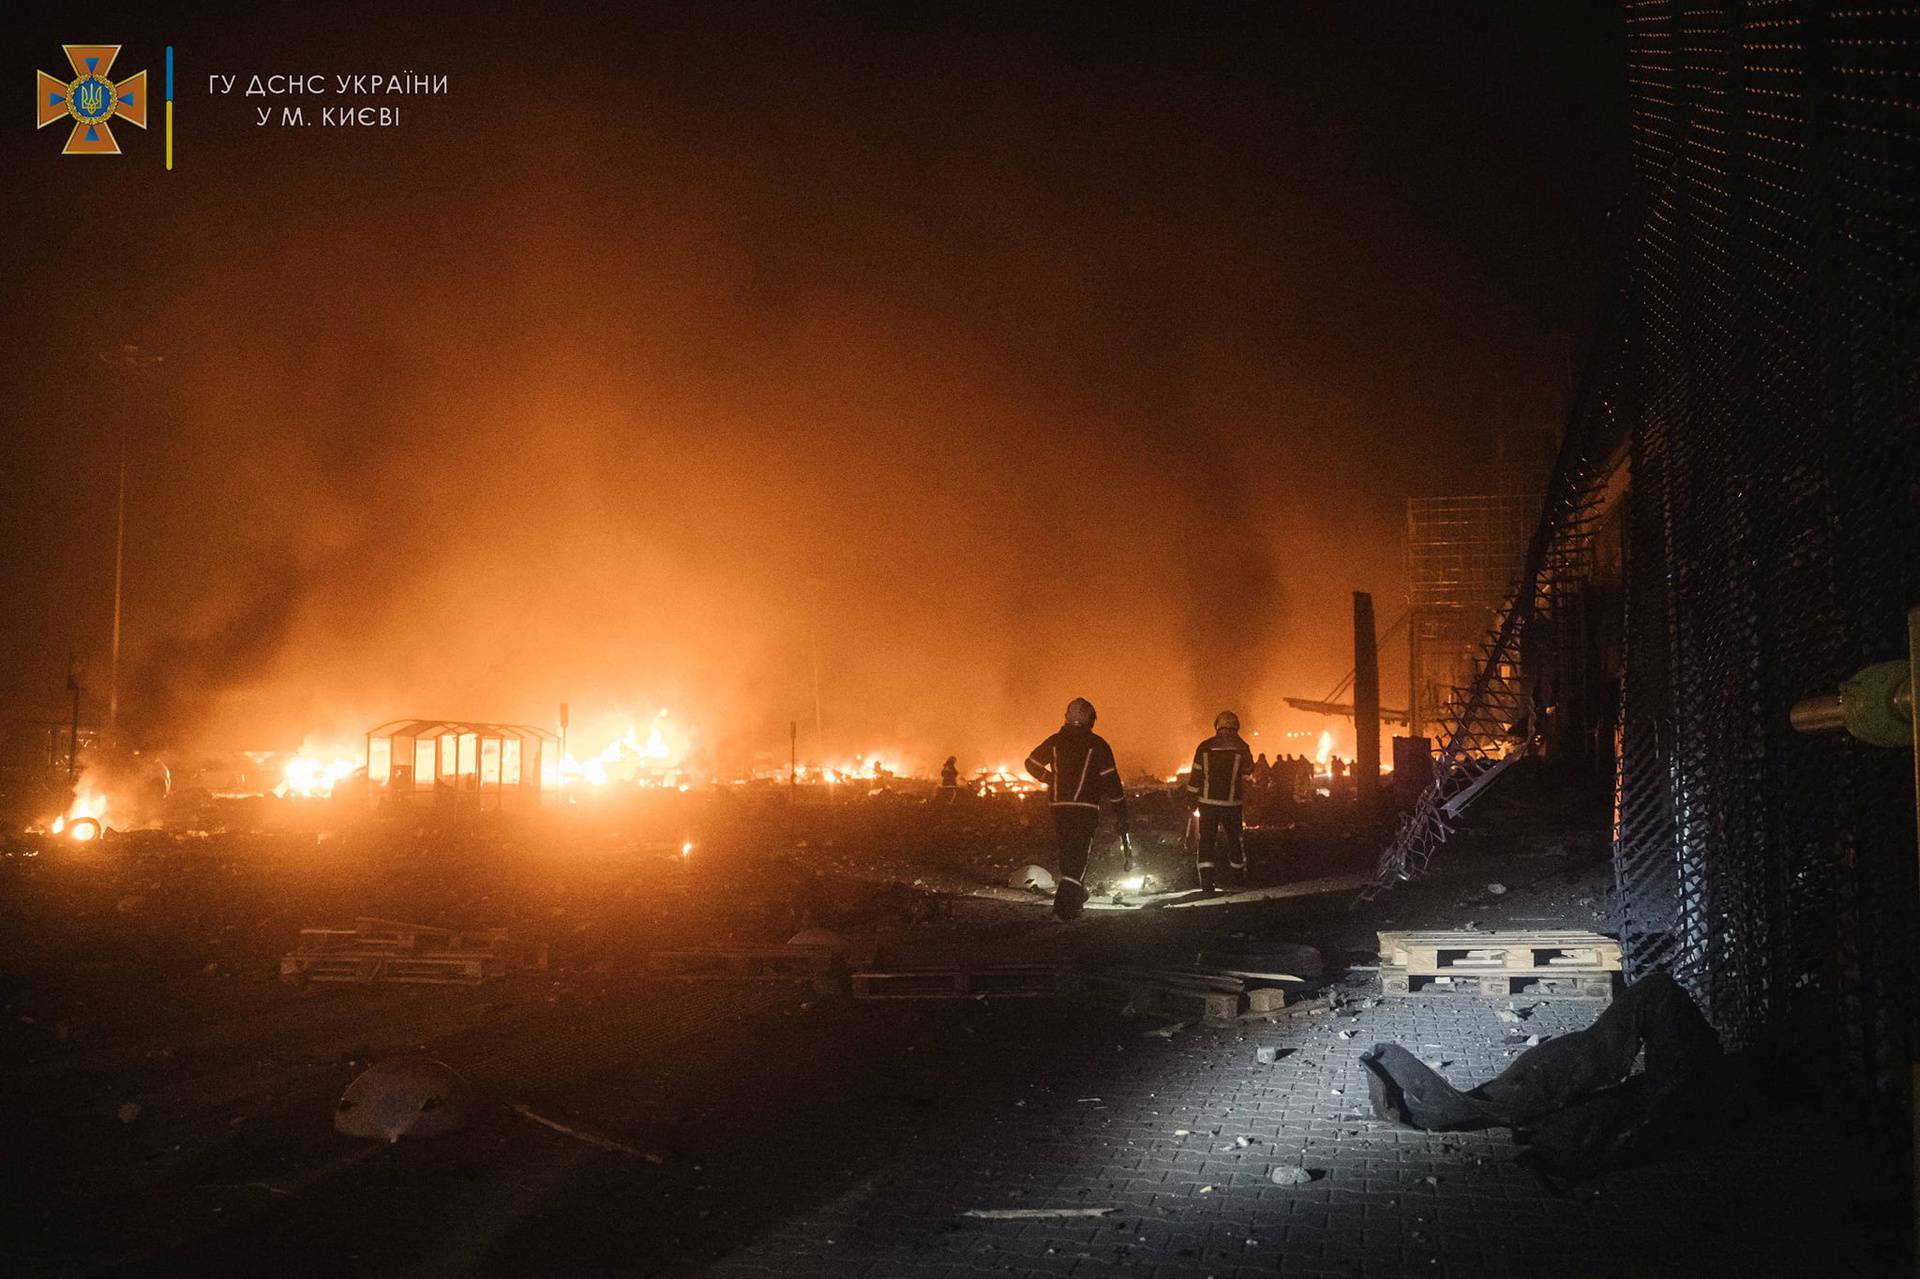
170	1099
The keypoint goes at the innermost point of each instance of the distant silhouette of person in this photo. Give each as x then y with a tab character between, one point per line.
950	780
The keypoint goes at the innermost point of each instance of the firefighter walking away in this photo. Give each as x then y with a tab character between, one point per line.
1078	768
1222	766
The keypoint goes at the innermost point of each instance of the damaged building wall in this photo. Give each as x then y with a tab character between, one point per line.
1771	532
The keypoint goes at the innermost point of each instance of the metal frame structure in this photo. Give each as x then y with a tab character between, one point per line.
500	763
1463	556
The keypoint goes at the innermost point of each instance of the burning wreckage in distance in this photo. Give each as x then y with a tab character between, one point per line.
807	403
480	765
412	762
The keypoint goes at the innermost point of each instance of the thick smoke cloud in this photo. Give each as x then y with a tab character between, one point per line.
994	367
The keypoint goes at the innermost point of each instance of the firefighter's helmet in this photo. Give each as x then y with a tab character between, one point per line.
1080	713
1226	722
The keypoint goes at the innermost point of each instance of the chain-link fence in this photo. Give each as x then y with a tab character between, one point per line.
1772	538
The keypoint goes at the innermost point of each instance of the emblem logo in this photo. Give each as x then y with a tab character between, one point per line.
91	100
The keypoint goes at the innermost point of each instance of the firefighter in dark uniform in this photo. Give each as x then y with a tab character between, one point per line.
1077	766
1218	785
950	780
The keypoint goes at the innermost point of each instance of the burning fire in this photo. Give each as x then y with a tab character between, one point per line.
1323	754
85	818
314	778
656	759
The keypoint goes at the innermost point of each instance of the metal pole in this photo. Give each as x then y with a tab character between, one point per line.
1913	1068
119	559
73	734
1416	713
1366	700
819	731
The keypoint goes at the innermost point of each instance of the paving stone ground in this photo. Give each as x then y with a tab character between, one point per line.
801	1134
1179	1137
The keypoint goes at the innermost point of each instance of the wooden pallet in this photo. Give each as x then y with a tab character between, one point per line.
1434	953
1196	994
743	963
1559	983
990	982
380	950
427	969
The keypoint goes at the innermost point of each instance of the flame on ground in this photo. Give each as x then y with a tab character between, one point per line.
314	778
86	816
657	757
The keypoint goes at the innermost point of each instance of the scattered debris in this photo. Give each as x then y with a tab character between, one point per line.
959	983
744	963
1274	960
1165	1032
404	1097
1034	1214
1208	996
128	1112
1034	878
1497	890
592	1139
1291	1175
1266	1056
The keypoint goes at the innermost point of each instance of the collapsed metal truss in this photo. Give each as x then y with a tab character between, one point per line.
1493	720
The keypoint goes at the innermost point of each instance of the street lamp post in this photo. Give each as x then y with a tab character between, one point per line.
130	357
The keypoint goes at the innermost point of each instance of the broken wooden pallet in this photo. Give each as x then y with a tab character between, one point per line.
992	981
468	969
378	950
372	931
1191	993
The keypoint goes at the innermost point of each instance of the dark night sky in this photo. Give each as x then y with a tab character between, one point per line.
1034	351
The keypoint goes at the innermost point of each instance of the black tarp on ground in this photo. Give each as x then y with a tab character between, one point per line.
1574	1099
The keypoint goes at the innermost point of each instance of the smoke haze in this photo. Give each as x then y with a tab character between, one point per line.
994	362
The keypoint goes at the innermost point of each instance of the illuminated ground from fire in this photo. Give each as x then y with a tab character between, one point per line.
173	1098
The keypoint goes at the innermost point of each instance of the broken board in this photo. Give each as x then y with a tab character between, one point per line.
993	981
1196	995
